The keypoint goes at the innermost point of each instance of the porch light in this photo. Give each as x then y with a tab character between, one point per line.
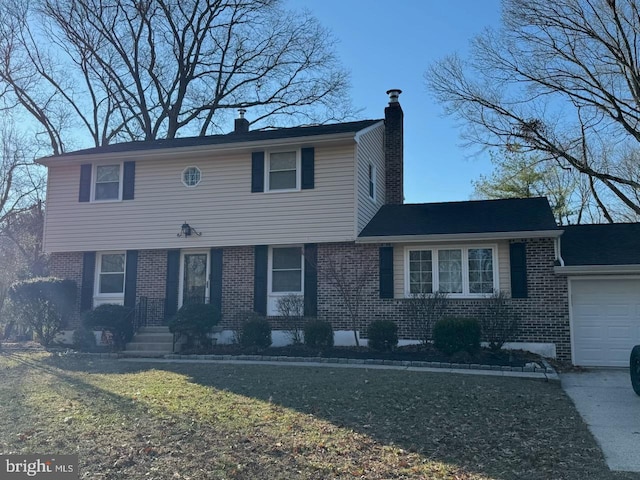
187	230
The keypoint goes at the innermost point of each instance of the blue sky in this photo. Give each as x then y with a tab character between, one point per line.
390	45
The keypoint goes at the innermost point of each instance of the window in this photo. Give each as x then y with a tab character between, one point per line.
111	268
107	182
191	176
283	171
286	270
459	272
372	181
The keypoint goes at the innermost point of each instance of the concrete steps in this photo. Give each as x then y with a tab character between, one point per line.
150	342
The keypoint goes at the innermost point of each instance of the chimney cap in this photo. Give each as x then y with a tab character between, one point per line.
394	93
241	112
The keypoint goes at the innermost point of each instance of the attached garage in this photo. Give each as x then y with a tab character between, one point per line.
602	264
605	320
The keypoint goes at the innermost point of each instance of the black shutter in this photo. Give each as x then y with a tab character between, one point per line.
308	168
129	180
261	253
386	272
130	279
88	273
85	183
215	282
310	280
173	282
518	259
257	172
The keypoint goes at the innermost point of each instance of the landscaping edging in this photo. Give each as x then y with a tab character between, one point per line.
546	369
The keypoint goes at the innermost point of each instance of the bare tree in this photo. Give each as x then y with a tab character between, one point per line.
291	309
560	78
349	276
123	70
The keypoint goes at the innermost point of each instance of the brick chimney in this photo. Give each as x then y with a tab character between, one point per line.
393	149
241	123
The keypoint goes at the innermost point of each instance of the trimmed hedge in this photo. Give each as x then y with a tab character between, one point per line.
383	335
318	334
454	334
116	319
195	322
255	332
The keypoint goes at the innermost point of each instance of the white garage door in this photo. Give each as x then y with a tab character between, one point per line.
605	318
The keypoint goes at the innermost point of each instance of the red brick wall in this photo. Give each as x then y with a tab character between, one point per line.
544	314
68	265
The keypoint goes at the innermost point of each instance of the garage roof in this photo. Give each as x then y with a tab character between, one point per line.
601	244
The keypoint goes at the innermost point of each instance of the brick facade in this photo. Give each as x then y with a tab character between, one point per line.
544	314
68	265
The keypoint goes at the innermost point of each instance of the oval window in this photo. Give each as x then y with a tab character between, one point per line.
191	176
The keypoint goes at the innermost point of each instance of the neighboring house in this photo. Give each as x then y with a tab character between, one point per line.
241	219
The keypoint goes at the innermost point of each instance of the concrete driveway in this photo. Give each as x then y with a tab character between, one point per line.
611	409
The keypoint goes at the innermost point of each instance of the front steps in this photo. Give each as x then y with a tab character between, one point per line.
150	342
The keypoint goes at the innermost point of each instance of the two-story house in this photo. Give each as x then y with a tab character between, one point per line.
242	219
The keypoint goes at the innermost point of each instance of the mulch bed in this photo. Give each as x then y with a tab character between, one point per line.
421	353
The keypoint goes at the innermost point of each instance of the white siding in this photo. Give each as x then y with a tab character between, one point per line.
222	206
370	150
504	269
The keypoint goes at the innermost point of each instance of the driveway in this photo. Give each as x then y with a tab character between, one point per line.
611	409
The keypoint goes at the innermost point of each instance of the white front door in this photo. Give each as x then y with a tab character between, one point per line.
194	278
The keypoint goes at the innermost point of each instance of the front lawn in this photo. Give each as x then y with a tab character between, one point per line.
135	420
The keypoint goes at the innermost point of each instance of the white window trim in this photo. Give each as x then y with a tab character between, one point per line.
267	164
373	180
181	278
182	176
273	296
94	176
100	298
465	268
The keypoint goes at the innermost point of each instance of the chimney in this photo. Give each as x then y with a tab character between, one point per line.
241	123
393	149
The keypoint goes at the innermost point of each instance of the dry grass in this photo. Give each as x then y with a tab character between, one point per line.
212	421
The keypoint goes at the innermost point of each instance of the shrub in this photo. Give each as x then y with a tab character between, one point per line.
499	323
318	334
195	322
255	333
116	319
452	334
291	309
427	309
42	305
382	335
84	339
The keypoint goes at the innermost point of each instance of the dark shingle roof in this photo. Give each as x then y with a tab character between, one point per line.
484	216
607	244
251	136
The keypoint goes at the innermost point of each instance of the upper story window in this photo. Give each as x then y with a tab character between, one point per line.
107	182
372	181
283	171
459	272
191	176
110	274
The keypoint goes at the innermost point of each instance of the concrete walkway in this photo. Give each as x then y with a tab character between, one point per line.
611	409
494	373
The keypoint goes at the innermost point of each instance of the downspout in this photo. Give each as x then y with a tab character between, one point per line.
557	246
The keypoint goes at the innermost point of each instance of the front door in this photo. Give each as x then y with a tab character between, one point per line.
194	280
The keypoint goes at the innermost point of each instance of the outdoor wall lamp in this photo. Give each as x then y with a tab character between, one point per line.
187	230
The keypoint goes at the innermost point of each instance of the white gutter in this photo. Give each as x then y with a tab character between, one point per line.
171	151
460	236
596	269
557	245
